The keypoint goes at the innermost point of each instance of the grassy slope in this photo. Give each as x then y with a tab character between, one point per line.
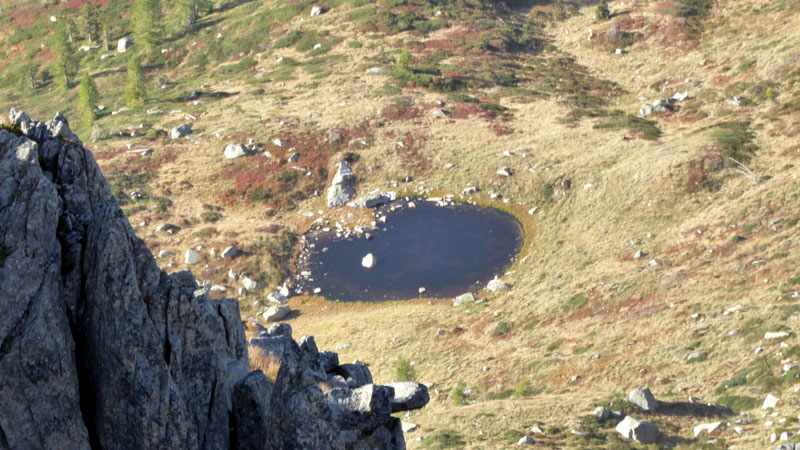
640	319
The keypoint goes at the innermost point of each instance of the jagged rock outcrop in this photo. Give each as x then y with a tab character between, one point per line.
101	348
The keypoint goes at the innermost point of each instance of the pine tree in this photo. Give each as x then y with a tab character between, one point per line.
148	28
66	62
601	12
91	22
136	94
87	100
190	11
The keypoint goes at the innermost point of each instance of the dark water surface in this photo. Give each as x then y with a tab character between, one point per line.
447	250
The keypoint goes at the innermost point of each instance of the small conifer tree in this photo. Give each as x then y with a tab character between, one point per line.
601	12
136	93
87	100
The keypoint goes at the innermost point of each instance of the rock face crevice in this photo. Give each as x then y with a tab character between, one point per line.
100	348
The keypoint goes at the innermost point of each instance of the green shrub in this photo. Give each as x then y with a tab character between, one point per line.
735	139
523	389
354	44
211	216
404	371
458	393
162	203
288	40
601	11
772	94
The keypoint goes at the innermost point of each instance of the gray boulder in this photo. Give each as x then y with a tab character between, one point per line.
180	131
339	194
638	430
374	199
409	395
355	375
233	151
643	398
464	298
230	252
276	313
124	44
341	190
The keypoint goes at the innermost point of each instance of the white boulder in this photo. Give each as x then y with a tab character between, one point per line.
369	261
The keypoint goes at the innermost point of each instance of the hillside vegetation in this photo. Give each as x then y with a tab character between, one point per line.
660	249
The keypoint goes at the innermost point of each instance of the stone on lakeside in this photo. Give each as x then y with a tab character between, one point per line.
368	261
276	313
464	298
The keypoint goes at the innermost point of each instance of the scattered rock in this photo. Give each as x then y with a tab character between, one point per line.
464	298
602	413
770	402
440	113
251	285
470	190
713	429
191	257
374	199
771	335
375	70
276	313
277	297
164	254
369	261
294	157
505	171
233	151
422	290
496	285
180	131
315	11
408	427
638	430
643	398
408	395
230	252
124	44
525	440
341	189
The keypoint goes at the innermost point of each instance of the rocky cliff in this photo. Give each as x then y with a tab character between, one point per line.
100	348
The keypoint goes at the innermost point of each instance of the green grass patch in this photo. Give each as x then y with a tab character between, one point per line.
647	129
738	403
442	439
577	301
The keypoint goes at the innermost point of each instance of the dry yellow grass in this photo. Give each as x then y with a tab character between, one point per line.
267	363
